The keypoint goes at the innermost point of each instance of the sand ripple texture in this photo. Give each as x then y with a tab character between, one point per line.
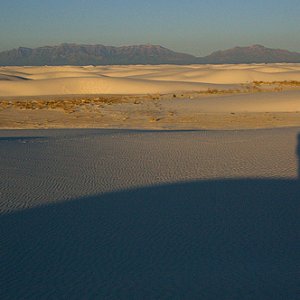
42	166
119	214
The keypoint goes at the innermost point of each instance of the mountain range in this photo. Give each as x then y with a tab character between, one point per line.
75	54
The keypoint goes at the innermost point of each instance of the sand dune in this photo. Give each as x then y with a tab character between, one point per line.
136	79
99	85
34	163
288	101
110	214
149	214
161	96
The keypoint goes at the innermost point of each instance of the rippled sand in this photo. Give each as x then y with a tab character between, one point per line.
118	214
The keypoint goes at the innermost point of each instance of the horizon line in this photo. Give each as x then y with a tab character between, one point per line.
148	44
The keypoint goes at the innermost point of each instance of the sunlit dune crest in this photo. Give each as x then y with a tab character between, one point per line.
138	79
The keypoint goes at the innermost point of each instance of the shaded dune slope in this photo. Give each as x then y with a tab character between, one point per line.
111	214
215	239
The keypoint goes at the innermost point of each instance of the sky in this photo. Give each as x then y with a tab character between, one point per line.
193	26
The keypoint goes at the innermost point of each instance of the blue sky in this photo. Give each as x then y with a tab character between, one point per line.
193	26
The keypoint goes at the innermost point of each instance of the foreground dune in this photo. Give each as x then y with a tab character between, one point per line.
36	164
118	214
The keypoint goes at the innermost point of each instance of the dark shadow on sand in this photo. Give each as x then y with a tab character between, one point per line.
298	154
215	239
21	138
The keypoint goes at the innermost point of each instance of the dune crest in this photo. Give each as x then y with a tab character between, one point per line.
137	79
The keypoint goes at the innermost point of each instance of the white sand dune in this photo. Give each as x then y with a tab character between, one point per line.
63	74
114	214
99	214
35	163
99	85
136	79
288	101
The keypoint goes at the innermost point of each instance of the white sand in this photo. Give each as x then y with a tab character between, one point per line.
27	81
43	166
287	101
168	96
112	214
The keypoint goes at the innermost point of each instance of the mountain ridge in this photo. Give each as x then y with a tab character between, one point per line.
252	54
83	54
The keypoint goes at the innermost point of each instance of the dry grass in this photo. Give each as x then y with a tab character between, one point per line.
221	92
68	105
292	83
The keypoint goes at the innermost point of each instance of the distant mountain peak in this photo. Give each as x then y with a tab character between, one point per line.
252	54
257	46
82	54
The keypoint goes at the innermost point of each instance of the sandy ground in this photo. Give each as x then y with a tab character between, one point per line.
150	214
151	97
42	166
124	214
